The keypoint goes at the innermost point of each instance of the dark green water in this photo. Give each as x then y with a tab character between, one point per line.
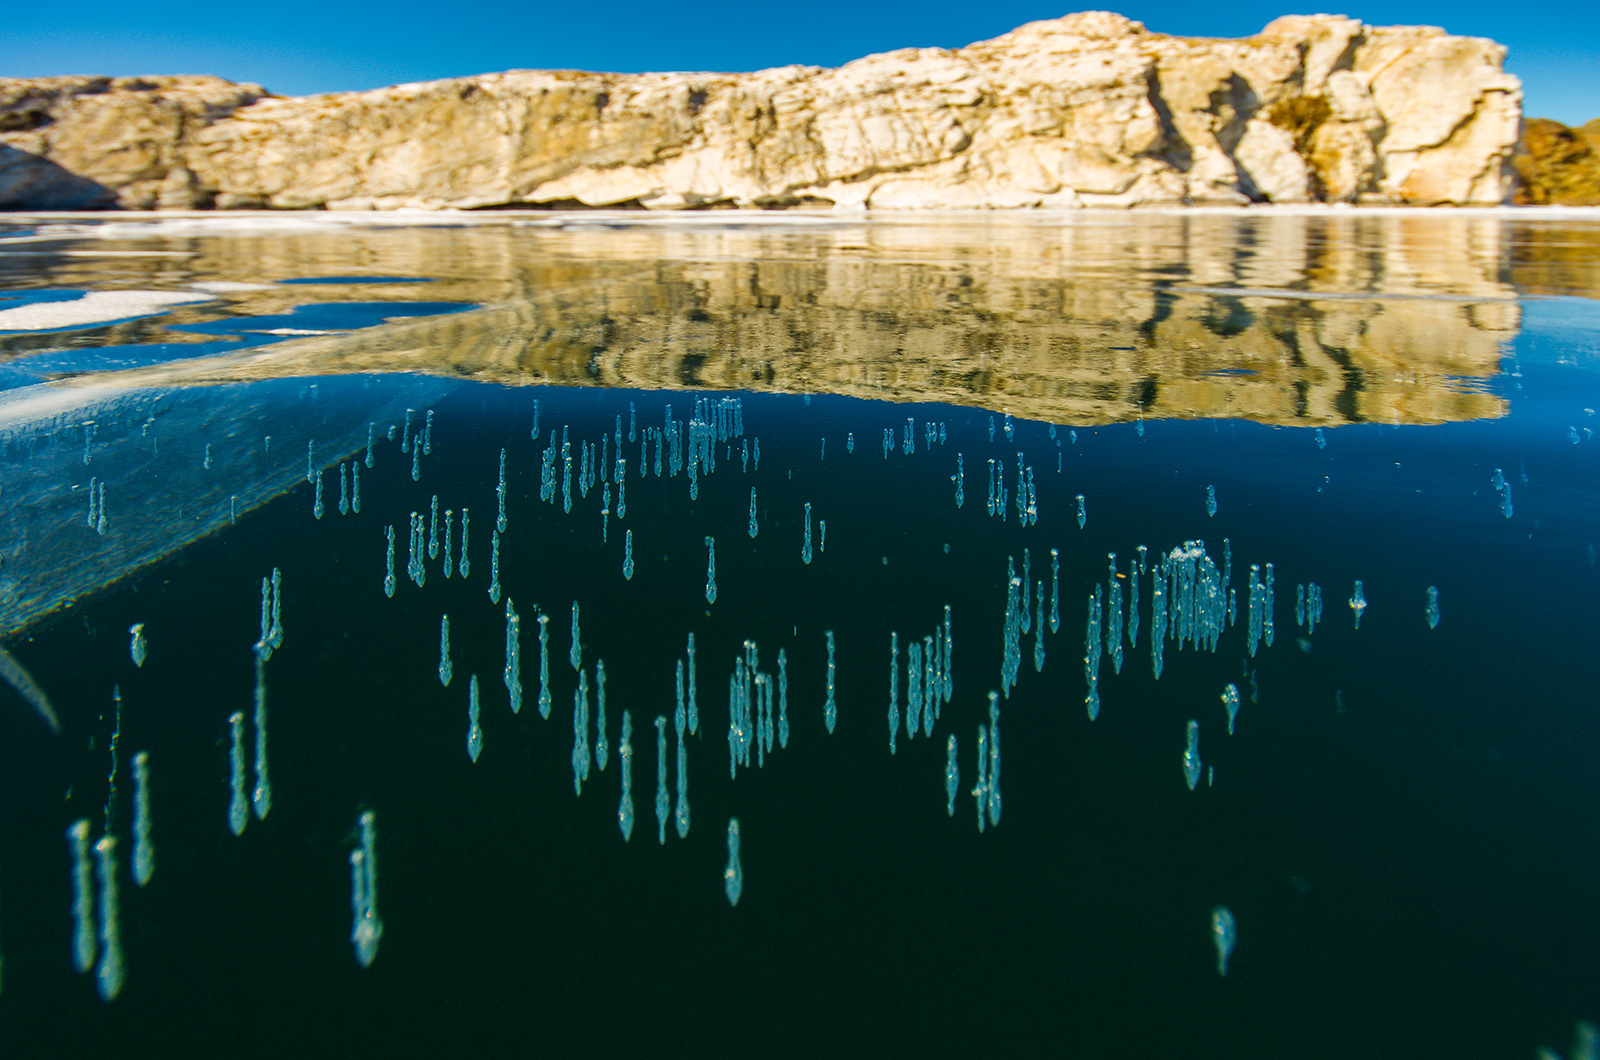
1404	824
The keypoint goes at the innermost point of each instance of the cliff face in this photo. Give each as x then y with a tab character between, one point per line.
1087	110
1557	165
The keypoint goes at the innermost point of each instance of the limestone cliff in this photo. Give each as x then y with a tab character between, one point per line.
1087	110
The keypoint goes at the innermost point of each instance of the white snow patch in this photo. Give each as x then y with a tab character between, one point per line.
96	307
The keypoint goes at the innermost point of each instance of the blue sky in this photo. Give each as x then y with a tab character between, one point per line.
296	47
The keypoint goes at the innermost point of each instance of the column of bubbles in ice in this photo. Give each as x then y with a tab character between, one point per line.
980	789
446	668
366	927
449	560
144	851
1011	629
1308	606
992	781
1230	703
238	805
1137	569
388	563
494	567
830	709
344	490
1092	647
137	649
663	801
1224	933
733	874
1431	612
693	715
109	973
1113	615
474	730
83	922
581	759
602	750
681	808
625	752
544	664
960	479
894	688
1191	754
1503	488
753	528
1358	602
512	674
711	570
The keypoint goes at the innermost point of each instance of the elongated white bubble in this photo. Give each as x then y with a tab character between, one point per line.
474	731
992	781
1358	602
830	710
805	544
449	561
1211	500
544	666
1083	515
367	927
494	567
388	563
316	506
602	750
83	936
137	648
681	811
109	974
580	733
261	796
783	698
733	875
433	527
575	651
1224	931
144	852
1432	611
1091	655
446	668
693	719
913	688
1055	590
711	570
980	790
663	800
512	675
1230	702
238	805
754	529
355	487
344	490
625	752
894	688
463	567
627	556
952	776
1191	755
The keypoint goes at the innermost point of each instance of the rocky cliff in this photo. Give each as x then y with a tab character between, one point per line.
1087	110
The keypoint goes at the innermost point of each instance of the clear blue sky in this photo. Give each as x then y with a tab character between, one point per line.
296	47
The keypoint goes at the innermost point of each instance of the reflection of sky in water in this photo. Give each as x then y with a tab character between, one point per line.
1400	824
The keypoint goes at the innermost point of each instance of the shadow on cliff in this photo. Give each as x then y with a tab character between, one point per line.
28	182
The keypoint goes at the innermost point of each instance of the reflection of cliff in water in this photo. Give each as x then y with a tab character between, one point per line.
1279	318
144	453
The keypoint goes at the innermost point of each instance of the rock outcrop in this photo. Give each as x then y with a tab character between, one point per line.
1557	165
1087	110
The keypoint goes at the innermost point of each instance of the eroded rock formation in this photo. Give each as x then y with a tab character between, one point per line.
1087	110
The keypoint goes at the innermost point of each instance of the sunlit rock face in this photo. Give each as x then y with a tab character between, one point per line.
1087	110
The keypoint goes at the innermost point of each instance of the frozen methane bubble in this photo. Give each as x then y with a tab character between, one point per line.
366	927
663	800
1225	934
1211	500
108	976
1191	755
733	875
446	670
137	648
238	805
625	751
474	731
1358	602
1433	607
952	776
83	941
144	853
1230	701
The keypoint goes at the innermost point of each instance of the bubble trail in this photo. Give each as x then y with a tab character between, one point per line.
544	666
433	527
580	733
627	556
1358	602
371	427
474	730
144	852
992	781
83	940
344	490
446	670
711	570
367	927
388	563
960	478
355	487
980	790
805	545
1038	635
1113	618
663	801
261	797
913	688
1191	755
1224	932
783	698
575	652
681	813
238	805
500	486
625	806
1055	590
316	507
449	562
694	706
137	648
416	463
733	875
494	567
1432	611
753	528
830	710
1211	500
952	776
1091	655
1083	515
109	975
894	688
602	750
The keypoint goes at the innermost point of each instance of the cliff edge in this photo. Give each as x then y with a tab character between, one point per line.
1087	110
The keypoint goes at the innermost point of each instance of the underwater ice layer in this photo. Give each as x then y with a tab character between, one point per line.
848	719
